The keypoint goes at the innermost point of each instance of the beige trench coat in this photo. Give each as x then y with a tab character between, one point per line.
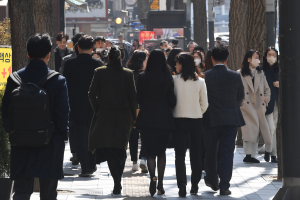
254	107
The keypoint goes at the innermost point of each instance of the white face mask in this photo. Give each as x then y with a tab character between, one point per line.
255	62
197	61
271	60
99	49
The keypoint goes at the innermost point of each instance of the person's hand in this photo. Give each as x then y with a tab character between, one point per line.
266	99
276	84
169	47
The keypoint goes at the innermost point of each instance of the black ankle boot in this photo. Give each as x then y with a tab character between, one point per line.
274	159
267	156
152	187
249	159
182	190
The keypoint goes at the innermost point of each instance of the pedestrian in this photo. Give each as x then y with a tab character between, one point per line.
175	43
155	95
99	43
201	50
43	162
112	95
191	46
208	63
73	54
108	44
137	64
198	62
82	68
225	92
191	95
135	46
271	70
61	50
254	106
171	59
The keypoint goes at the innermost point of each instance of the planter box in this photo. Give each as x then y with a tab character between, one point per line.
6	186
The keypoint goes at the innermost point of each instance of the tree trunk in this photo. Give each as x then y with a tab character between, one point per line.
43	21
200	23
143	8
237	33
256	26
22	27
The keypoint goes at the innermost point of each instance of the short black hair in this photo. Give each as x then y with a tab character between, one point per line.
76	37
218	38
99	38
137	60
198	48
61	35
175	41
220	53
162	42
86	42
39	45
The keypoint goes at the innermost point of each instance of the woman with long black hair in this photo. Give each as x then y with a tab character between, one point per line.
171	59
271	70
112	96
254	106
137	64
155	95
191	94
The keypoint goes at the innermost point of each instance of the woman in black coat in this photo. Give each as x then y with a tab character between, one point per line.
171	59
155	94
271	71
137	64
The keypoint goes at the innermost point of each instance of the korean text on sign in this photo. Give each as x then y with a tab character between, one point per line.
5	66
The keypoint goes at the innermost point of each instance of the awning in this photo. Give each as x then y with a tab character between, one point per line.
79	4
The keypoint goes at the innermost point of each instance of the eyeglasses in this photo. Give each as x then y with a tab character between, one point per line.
62	42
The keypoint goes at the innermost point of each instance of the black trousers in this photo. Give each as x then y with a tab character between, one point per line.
224	136
24	188
133	145
194	129
72	137
85	157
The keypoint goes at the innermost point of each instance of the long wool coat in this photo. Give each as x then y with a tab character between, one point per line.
113	98
254	107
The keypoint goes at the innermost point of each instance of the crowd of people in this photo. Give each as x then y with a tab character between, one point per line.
106	98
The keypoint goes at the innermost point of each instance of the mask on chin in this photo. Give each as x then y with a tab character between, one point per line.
271	60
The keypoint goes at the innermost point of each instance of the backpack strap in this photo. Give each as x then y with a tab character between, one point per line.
16	78
49	76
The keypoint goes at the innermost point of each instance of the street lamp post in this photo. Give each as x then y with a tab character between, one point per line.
289	29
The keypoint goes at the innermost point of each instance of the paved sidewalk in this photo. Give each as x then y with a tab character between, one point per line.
248	182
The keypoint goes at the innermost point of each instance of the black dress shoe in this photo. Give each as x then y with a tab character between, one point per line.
249	159
267	156
160	189
85	175
182	190
225	192
213	187
194	190
152	187
274	159
94	170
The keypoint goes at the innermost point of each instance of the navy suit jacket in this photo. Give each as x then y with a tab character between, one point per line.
47	161
225	93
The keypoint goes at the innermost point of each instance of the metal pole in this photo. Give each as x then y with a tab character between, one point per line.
172	5
289	29
162	4
211	24
270	23
187	30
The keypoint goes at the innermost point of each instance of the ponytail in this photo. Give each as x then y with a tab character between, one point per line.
115	57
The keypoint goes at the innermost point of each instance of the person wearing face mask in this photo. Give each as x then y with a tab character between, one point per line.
198	62
254	106
271	70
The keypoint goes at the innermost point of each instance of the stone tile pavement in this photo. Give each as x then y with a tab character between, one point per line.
249	181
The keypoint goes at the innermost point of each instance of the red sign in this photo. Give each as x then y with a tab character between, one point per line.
146	35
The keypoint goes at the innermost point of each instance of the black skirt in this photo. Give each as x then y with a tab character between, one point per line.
155	141
106	154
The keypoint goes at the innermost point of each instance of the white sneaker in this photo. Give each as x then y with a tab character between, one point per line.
135	167
143	166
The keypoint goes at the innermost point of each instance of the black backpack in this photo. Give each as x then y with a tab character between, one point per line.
29	113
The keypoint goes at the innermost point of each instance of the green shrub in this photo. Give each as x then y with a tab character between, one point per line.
4	147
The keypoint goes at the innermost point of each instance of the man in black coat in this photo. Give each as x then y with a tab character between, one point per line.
45	162
225	92
79	73
61	50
